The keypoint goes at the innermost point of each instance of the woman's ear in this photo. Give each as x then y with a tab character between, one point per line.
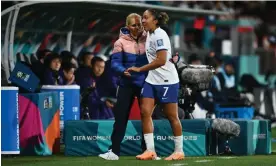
155	21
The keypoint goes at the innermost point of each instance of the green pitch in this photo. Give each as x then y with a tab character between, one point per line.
60	160
131	161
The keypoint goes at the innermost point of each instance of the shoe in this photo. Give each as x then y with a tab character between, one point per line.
109	155
176	156
148	155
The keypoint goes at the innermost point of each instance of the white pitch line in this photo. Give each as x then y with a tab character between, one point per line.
227	157
203	161
179	164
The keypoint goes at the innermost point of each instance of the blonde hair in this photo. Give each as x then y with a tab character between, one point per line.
130	16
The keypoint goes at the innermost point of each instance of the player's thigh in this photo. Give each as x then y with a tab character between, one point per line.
147	106
170	110
147	99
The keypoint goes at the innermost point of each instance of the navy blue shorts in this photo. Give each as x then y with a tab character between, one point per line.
161	93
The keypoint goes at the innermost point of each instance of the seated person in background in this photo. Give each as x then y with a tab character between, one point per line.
110	80
98	108
68	73
68	57
194	59
84	69
38	67
224	85
52	74
226	76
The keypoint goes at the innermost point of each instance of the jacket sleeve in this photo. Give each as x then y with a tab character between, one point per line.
117	58
95	105
48	78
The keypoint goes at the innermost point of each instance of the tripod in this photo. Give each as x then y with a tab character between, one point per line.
84	103
186	101
227	150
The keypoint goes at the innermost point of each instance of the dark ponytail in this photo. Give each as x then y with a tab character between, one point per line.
161	17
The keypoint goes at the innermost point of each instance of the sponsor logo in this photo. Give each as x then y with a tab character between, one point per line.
23	76
134	138
17	125
96	138
61	106
48	103
160	42
75	109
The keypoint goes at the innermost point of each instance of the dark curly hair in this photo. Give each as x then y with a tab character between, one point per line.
161	17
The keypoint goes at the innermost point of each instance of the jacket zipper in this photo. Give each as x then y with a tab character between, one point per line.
138	46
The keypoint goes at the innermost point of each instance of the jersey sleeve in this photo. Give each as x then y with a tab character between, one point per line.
161	42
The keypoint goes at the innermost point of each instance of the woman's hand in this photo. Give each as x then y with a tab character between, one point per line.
93	84
71	81
127	74
175	58
134	69
109	104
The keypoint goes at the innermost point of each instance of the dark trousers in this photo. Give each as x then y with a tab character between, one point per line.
125	98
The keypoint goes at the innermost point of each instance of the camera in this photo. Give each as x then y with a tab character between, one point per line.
193	79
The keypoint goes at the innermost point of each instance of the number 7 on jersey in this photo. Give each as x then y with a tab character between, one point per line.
166	90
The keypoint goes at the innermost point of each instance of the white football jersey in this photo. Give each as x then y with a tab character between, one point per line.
164	75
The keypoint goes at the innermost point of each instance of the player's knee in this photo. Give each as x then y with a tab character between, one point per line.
173	119
145	112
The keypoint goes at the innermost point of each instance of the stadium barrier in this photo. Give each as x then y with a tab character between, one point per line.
39	128
85	138
9	121
39	123
90	138
69	102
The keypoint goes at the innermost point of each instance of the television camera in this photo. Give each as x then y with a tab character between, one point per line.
193	79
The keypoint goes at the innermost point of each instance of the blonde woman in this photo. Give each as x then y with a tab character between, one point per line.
129	50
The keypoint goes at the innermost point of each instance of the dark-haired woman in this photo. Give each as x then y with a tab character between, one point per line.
161	85
52	74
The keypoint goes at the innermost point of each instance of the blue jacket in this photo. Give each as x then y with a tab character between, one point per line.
52	77
129	52
82	77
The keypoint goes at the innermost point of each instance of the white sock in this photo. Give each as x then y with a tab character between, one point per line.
149	141
178	143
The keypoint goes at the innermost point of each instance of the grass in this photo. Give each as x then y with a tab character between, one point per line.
131	161
273	135
273	130
61	160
